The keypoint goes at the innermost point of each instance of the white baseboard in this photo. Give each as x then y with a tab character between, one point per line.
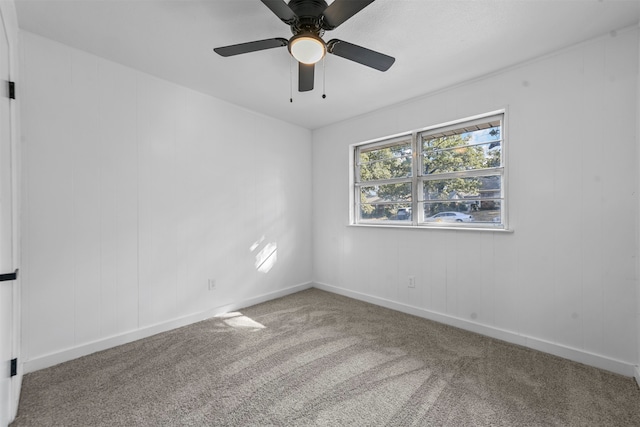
65	355
576	355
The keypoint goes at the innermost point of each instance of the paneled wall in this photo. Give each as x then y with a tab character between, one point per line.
136	192
565	280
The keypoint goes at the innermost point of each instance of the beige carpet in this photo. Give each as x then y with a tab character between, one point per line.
314	358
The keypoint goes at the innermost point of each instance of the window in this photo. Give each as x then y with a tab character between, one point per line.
446	176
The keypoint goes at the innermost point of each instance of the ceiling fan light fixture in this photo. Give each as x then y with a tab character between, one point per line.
307	48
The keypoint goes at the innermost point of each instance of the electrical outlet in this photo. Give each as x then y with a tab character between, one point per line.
212	284
412	281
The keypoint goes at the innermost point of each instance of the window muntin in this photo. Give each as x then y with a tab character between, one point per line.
457	180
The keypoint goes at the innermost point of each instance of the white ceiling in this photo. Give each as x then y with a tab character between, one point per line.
436	43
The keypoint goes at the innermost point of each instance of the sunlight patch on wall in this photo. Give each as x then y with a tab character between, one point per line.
256	244
267	257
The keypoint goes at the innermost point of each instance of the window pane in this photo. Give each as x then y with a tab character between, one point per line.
386	193
386	163
461	150
486	212
472	189
386	202
385	212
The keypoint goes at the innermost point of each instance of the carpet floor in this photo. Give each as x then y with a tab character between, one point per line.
316	358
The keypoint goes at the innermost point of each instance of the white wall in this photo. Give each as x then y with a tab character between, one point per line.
565	281
136	192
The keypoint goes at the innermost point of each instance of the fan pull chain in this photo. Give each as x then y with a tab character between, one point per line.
290	80
324	77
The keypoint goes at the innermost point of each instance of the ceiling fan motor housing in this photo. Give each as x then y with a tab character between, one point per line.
309	16
304	8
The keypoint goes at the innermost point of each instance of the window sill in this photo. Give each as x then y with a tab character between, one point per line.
426	227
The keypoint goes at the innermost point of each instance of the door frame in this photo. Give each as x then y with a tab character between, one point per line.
9	18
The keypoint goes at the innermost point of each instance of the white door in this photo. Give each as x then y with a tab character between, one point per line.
7	287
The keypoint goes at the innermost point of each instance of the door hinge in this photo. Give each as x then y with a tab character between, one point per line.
12	90
9	276
14	367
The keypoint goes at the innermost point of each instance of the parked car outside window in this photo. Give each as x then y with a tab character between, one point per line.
449	217
404	213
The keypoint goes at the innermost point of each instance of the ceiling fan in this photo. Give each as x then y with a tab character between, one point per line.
309	19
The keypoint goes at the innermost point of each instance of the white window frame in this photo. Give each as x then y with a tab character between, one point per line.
417	177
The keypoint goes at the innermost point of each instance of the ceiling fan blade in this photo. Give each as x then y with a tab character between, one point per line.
360	54
281	9
238	49
305	77
341	10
